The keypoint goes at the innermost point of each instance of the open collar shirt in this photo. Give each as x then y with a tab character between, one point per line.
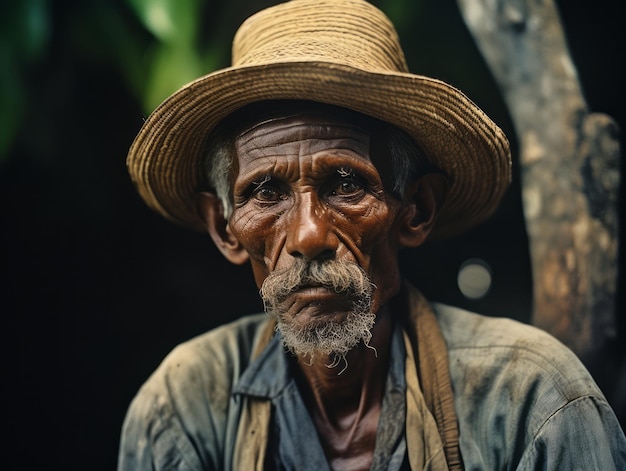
294	443
523	401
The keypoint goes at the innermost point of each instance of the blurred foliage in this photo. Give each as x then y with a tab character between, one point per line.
176	55
155	45
183	51
402	13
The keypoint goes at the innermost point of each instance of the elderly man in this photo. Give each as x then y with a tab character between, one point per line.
316	158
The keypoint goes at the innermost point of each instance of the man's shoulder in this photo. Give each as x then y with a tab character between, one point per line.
485	351
238	336
226	348
211	361
185	408
520	394
467	329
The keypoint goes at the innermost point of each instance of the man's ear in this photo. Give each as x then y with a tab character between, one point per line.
210	209
423	200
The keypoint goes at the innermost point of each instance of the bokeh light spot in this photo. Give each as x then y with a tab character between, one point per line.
474	278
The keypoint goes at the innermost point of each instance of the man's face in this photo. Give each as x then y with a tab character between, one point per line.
306	190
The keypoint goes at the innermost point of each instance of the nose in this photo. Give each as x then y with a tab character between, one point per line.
310	231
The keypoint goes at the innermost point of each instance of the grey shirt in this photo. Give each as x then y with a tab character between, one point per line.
523	401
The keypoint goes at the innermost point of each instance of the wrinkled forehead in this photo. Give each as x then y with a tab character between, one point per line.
312	131
364	131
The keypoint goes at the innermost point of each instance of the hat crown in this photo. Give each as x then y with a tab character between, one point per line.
348	32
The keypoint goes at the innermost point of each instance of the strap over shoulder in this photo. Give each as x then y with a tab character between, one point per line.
252	433
428	345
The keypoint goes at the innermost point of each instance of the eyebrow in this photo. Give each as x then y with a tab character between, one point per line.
264	179
345	172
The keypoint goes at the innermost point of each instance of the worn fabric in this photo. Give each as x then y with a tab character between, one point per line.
293	442
425	449
432	378
523	401
275	421
431	424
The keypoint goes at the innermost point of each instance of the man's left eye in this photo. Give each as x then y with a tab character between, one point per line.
348	187
268	193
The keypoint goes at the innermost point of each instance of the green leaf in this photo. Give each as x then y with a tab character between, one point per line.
172	66
171	21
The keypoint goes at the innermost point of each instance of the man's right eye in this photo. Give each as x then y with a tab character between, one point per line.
265	190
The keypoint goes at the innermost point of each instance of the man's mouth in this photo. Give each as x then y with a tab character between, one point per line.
317	300
313	292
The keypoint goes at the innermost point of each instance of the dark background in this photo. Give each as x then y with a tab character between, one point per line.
97	288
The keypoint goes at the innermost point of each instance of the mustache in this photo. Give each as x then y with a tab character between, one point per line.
341	277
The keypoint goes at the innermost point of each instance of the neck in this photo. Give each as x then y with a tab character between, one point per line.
359	366
345	400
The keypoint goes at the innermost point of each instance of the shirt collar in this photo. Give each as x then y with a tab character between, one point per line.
269	374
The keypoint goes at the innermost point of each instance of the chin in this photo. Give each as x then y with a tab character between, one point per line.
335	332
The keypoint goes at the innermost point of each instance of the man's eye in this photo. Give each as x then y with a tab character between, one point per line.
267	193
348	187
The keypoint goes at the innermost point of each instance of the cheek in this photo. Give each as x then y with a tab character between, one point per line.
260	234
260	272
385	275
254	230
375	227
380	249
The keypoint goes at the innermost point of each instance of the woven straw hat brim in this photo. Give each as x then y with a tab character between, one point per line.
457	136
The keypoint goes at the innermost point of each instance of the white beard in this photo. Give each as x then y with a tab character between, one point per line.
333	337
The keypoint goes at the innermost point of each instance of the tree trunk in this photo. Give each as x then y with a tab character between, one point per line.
569	161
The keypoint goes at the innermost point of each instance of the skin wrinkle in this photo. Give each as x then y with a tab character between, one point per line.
247	219
247	135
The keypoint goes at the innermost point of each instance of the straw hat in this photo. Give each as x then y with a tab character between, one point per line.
340	52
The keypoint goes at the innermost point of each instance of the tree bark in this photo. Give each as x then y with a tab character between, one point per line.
569	162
